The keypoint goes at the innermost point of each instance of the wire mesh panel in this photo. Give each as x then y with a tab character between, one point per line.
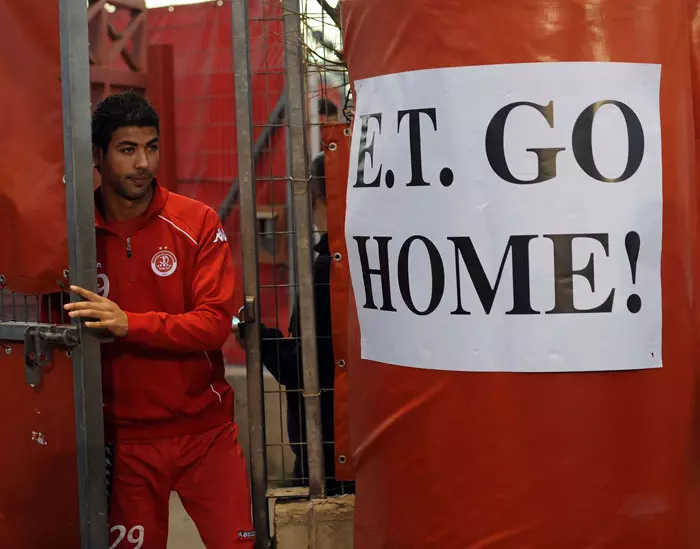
327	100
203	37
322	96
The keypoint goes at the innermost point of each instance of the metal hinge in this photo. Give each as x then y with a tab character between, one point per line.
39	342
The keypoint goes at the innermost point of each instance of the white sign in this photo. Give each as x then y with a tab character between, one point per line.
508	218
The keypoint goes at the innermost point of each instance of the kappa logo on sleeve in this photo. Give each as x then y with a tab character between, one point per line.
220	236
250	534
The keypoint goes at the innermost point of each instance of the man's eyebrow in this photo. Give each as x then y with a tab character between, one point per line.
134	144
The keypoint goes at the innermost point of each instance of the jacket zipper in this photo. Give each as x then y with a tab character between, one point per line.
128	247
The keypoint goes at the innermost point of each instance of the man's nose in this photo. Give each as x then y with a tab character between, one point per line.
141	160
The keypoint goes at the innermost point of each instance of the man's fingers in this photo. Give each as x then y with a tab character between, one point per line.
80	305
90	313
97	325
87	294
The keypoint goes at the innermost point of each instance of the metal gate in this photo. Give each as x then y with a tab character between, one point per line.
298	179
298	117
37	322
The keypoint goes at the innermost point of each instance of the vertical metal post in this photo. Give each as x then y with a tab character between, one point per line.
302	220
251	283
87	375
316	89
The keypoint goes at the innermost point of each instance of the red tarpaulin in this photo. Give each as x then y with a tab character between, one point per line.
525	460
33	238
336	145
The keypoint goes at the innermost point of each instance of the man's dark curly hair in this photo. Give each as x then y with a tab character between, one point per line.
127	108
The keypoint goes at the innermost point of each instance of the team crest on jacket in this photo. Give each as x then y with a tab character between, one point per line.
164	262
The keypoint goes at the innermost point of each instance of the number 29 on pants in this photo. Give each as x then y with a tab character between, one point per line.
132	538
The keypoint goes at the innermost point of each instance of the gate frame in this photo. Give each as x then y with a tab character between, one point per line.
295	72
82	257
251	281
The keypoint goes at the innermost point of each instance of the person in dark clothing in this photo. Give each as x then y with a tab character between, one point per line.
282	356
327	111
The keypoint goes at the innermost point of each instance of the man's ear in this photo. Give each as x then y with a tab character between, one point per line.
97	158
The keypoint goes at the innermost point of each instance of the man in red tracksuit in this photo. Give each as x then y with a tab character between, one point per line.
166	285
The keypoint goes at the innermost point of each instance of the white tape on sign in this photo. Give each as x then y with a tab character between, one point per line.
508	218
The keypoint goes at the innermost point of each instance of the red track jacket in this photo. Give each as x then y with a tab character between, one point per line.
171	271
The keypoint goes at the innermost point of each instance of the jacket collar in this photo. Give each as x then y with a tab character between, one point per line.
160	197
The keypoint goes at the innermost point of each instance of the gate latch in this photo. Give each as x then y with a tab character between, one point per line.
39	342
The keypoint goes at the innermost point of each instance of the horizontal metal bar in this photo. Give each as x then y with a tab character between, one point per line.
14	331
301	492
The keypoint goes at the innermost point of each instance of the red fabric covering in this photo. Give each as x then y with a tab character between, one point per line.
336	162
605	460
33	235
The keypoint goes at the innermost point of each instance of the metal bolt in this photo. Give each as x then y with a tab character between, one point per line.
69	354
32	385
346	132
341	363
8	350
66	273
337	256
342	459
332	146
2	280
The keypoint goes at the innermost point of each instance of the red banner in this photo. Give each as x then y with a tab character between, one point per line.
532	461
33	235
336	145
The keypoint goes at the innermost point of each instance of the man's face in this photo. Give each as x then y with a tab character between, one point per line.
130	161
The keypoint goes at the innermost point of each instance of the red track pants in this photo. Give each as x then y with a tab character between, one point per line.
208	472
